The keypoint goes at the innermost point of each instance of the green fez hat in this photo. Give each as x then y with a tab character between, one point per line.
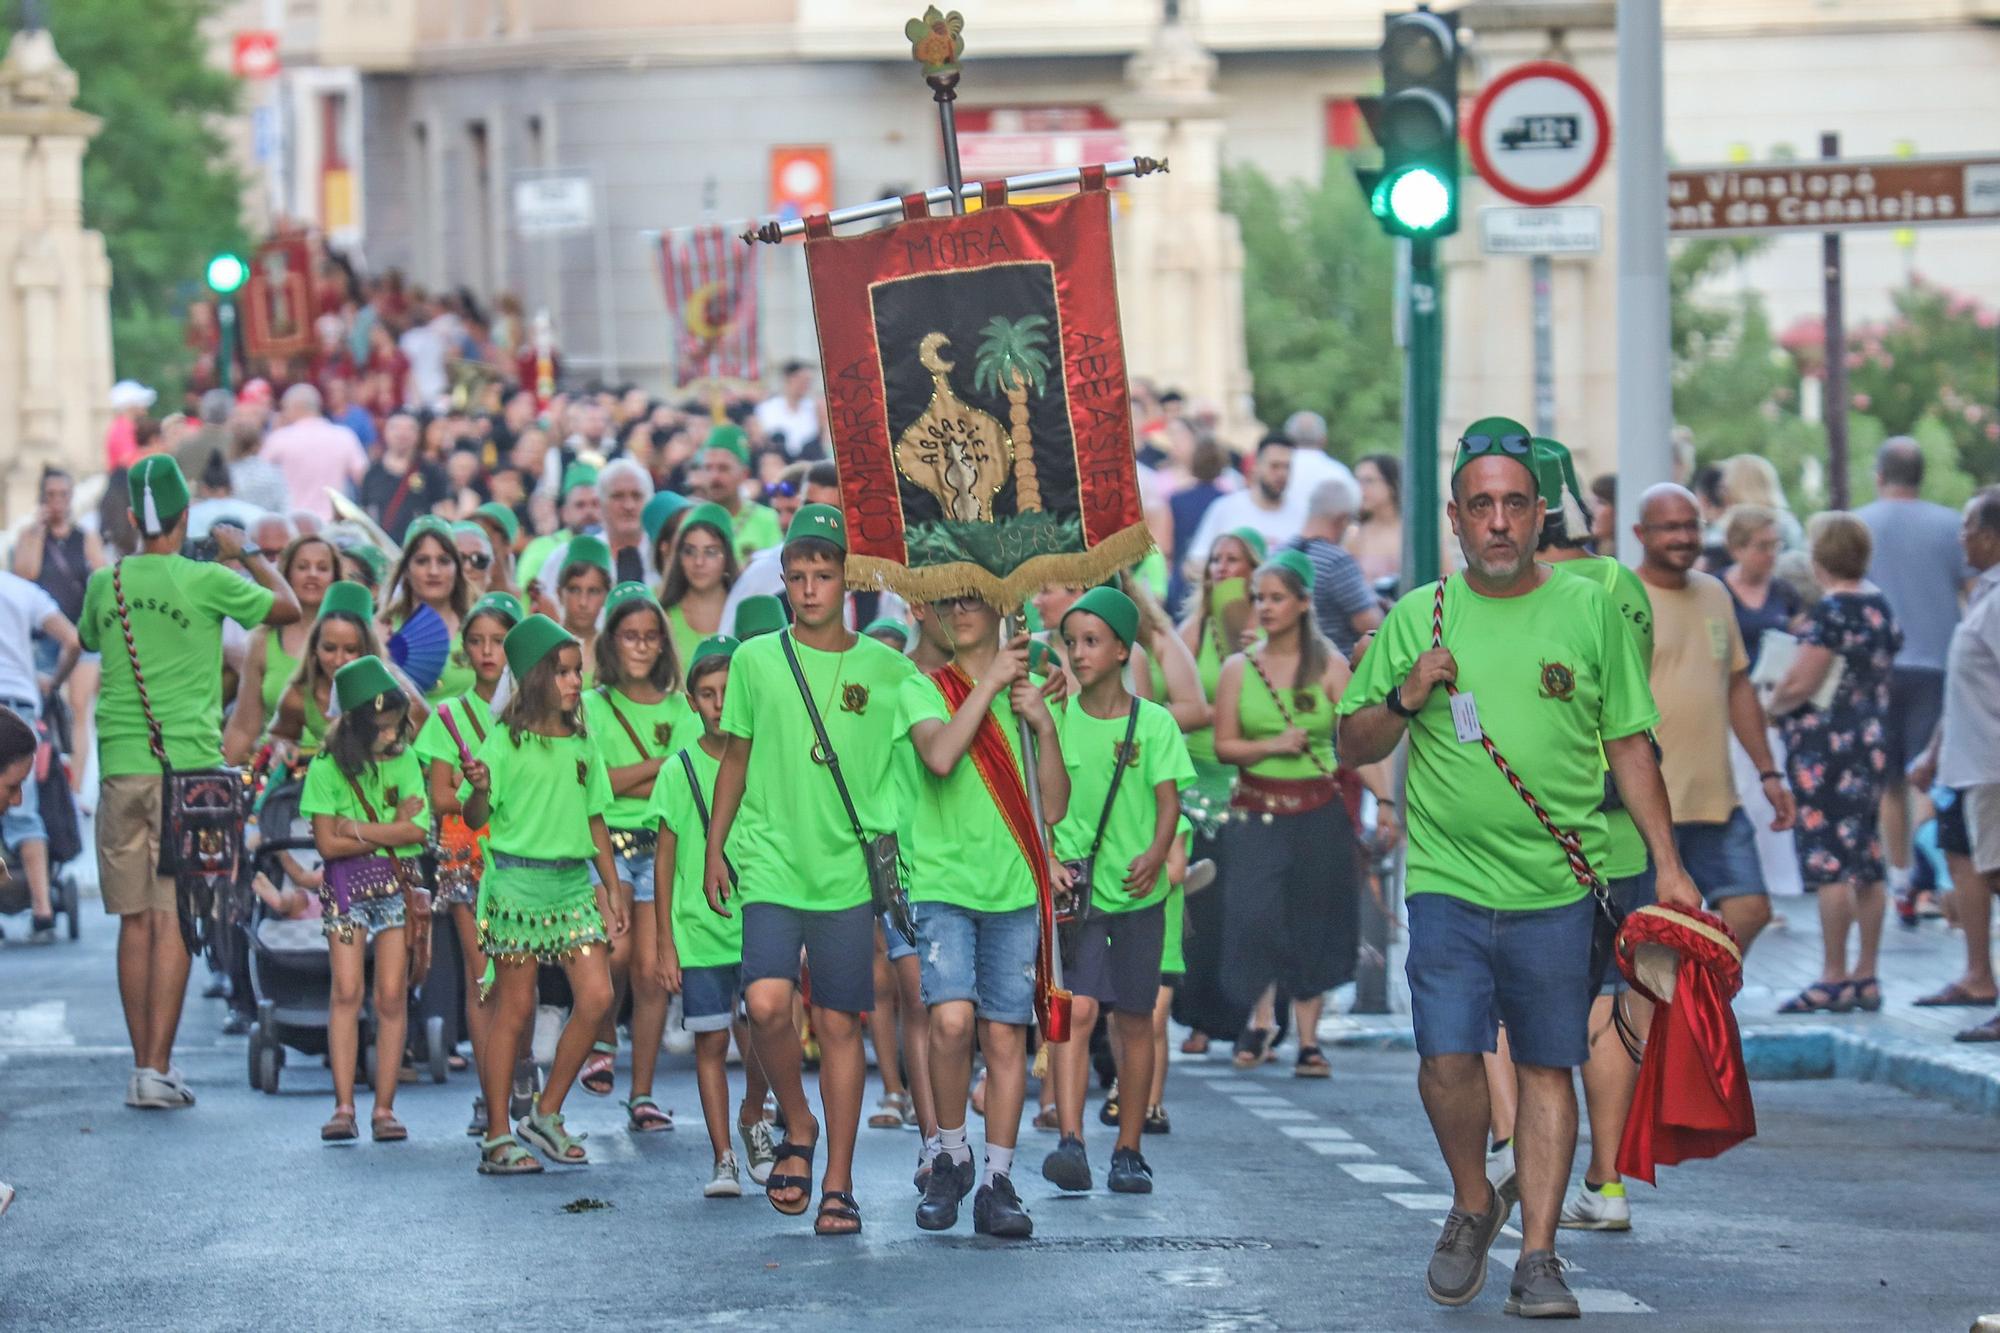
532	640
1112	607
1253	539
624	594
503	604
731	440
888	625
715	645
347	598
1555	471
821	521
364	680
501	517
714	516
159	493
370	555
659	512
465	527
1300	564
759	615
1494	437
432	524
587	550
575	475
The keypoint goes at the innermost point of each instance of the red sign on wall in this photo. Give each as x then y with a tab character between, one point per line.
256	54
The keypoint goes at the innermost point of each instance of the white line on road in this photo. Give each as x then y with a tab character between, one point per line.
35	1026
1380	1173
1280	1113
1602	1300
1314	1132
1335	1148
1420	1203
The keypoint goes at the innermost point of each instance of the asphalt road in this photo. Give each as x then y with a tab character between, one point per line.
1281	1205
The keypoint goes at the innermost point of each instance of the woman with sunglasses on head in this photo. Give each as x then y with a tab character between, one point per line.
432	574
310	565
475	552
698	581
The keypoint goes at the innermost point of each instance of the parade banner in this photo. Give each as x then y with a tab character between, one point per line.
976	393
711	290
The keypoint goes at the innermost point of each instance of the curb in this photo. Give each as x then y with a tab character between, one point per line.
1968	1080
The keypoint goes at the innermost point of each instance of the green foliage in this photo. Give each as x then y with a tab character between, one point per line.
1318	305
1933	360
157	182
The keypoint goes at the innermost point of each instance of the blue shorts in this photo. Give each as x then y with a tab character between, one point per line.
709	995
1721	859
23	823
985	957
899	948
636	870
839	949
1630	894
1472	968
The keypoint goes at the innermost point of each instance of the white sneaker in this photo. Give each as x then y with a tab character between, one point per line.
132	1090
679	1040
762	1151
154	1091
726	1183
1500	1174
1597	1208
6	1197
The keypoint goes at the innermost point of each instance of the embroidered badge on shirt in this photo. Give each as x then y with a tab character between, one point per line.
662	732
582	774
854	699
1128	755
1558	682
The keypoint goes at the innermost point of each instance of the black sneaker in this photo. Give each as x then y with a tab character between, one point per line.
1068	1167
1157	1122
997	1211
948	1184
1129	1173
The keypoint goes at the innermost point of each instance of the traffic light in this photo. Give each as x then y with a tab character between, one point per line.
1415	191
226	273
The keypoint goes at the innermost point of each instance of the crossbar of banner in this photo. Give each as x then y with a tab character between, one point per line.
771	233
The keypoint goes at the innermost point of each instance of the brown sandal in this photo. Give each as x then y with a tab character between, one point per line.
340	1128
386	1128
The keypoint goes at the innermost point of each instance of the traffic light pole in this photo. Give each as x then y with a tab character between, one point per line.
225	343
1423	357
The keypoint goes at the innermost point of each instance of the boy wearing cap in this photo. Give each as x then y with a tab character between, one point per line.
974	889
175	608
780	811
1500	926
1113	846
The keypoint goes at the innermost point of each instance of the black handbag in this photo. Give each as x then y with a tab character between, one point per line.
881	852
1074	905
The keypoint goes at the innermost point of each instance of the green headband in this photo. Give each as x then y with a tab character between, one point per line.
465	527
372	556
1555	470
364	680
432	524
1112	607
625	594
345	598
1253	539
1299	563
575	475
711	515
159	493
1494	437
818	521
716	645
889	625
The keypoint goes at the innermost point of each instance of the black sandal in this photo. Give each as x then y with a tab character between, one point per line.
837	1206
774	1182
1312	1064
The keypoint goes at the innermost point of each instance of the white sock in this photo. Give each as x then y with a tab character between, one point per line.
1899	880
999	1162
953	1141
927	1150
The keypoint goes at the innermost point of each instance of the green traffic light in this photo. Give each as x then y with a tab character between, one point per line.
226	272
1416	199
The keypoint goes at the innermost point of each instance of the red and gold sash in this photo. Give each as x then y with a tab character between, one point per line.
994	758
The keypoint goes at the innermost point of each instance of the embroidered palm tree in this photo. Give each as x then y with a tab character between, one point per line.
1013	359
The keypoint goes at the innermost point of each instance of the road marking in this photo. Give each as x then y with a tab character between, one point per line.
1603	1300
1280	1113
1334	1148
1420	1203
1380	1173
1314	1132
1259	1099
1510	1257
42	1024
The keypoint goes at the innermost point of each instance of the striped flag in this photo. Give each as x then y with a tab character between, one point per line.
710	278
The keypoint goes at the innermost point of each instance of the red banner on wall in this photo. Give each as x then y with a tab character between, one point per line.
976	393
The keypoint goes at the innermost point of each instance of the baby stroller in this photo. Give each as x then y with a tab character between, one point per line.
57	801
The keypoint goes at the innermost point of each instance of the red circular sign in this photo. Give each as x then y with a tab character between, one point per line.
1539	133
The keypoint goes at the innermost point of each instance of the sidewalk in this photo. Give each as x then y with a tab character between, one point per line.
1904	1046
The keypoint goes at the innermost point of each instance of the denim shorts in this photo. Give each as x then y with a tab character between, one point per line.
1472	968
635	870
899	948
709	995
23	823
839	951
985	957
1721	859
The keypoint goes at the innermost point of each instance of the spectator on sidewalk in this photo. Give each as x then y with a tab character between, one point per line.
1261	507
1965	757
623	488
1343	604
1921	571
790	418
1701	683
399	486
315	454
1763	602
212	437
27	610
130	401
1312	465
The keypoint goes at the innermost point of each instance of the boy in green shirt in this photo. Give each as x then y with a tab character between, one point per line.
804	879
1120	838
975	892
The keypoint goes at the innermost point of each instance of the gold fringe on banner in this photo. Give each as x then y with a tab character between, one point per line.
962	578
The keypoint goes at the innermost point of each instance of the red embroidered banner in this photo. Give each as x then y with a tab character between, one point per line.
710	279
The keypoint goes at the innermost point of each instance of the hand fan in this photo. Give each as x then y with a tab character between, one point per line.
421	648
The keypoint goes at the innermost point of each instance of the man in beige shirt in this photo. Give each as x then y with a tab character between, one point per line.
1701	683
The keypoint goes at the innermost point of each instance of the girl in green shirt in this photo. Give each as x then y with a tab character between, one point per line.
540	786
431	573
638	717
698	579
364	793
582	584
342	632
310	565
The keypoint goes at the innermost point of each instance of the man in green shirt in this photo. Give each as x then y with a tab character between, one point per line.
780	813
578	510
167	611
1543	668
725	466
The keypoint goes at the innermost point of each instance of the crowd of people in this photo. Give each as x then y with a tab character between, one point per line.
665	755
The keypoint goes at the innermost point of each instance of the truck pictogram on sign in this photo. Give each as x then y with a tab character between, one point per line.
1542	132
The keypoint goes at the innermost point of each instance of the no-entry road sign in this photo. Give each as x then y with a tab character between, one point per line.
1539	133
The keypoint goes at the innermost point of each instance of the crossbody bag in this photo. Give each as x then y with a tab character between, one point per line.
1074	905
629	841
701	806
202	810
881	852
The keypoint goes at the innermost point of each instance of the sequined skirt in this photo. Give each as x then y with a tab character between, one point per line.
540	910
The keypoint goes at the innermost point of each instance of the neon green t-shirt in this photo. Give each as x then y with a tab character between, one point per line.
545	791
959	849
1089	747
756	529
1627	854
791	841
470	714
279	668
385	783
1550	672
1257	713
685	636
177	608
536	554
663	728
701	938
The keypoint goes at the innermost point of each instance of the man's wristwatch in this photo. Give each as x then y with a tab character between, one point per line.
1771	775
1394	703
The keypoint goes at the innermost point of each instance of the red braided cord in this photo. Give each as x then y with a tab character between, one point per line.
1283	711
153	735
1572	845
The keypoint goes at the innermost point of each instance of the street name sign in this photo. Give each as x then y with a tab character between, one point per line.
1833	195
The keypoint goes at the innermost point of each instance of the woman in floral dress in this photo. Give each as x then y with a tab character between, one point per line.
1837	762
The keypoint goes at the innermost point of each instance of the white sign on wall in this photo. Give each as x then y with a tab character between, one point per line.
553	205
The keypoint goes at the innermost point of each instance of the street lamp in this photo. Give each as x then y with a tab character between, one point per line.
226	275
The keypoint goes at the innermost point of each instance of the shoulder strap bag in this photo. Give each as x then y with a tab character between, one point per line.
629	841
1075	904
701	804
881	852
1285	712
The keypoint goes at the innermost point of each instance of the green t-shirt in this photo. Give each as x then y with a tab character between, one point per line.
385	783
757	529
959	849
1088	748
536	554
177	608
1627	856
1257	713
1550	673
791	841
279	668
701	938
545	791
685	636
470	714
663	728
